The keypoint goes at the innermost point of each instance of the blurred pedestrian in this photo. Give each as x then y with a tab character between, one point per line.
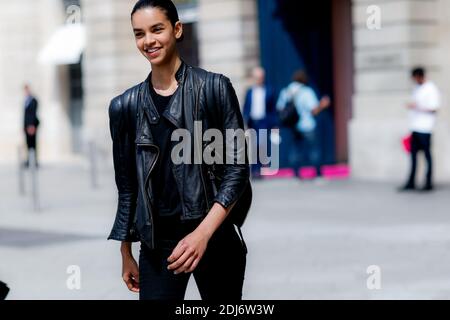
186	216
30	123
307	106
425	102
259	113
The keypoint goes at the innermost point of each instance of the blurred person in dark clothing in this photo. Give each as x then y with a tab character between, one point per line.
3	290
308	106
30	122
259	112
423	108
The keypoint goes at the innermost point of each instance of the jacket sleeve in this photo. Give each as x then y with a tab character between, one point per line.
36	119
235	173
125	173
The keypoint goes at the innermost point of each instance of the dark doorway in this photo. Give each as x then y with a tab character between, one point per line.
189	46
76	105
300	35
75	86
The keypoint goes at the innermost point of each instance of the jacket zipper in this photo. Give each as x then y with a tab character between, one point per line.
145	187
179	192
201	167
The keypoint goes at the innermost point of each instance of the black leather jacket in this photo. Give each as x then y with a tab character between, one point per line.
203	96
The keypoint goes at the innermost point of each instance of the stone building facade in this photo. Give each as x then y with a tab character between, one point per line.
413	32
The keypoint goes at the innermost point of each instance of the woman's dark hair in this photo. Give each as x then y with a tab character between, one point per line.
166	6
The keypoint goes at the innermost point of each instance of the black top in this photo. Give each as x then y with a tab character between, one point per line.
163	181
168	209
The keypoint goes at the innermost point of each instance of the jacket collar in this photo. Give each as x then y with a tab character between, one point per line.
174	111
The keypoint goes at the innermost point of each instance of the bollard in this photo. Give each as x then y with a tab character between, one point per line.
21	171
34	179
93	164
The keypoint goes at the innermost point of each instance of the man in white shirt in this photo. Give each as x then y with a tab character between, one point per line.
422	118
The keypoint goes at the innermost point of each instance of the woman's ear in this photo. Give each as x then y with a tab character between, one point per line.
179	31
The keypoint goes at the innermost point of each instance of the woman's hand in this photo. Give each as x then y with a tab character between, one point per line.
188	252
130	269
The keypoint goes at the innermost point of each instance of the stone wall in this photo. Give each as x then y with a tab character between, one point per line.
25	26
412	33
229	39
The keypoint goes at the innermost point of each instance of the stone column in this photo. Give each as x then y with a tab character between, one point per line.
229	39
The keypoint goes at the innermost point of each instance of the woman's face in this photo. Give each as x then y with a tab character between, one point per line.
155	37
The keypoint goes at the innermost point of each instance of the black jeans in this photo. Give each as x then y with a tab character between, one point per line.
421	142
219	275
31	144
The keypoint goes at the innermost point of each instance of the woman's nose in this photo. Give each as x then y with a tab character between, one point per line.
149	41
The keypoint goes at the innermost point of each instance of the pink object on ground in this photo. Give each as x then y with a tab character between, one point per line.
330	172
281	173
338	171
308	173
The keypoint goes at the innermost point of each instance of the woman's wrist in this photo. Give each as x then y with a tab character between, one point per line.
125	249
213	220
205	230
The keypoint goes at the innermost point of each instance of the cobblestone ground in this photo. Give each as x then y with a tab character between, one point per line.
305	240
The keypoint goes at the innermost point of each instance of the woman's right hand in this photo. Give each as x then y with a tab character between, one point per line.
130	269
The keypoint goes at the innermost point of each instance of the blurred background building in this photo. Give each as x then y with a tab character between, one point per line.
78	54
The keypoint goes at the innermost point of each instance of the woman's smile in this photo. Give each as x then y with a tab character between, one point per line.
153	52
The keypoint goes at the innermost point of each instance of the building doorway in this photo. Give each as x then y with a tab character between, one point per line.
75	94
317	37
189	47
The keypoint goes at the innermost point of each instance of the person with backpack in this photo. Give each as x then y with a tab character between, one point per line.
298	107
187	216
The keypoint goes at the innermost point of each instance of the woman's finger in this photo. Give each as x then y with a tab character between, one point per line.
136	277
135	286
194	265
186	265
177	252
181	260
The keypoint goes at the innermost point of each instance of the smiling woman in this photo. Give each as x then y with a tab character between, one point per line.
186	220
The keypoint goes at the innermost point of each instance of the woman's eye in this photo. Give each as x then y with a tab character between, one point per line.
138	35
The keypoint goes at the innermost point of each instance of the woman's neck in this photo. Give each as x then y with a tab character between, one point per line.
163	76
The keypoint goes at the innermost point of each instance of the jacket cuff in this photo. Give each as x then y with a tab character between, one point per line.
119	236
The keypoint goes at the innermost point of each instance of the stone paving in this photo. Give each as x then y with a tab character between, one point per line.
306	240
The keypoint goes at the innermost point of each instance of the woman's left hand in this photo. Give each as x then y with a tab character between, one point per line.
188	252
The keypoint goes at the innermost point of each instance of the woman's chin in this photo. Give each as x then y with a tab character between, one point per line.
156	61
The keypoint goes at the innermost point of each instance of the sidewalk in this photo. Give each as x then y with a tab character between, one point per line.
305	241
